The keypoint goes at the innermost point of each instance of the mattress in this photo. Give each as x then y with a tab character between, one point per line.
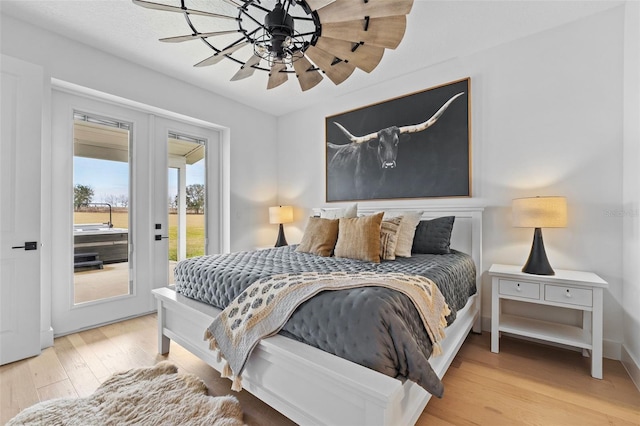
373	326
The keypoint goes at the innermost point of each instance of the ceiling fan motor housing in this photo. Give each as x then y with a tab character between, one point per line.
280	26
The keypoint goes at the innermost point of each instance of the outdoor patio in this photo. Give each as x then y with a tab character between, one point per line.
112	281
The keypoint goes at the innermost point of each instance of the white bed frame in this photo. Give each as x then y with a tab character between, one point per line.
313	387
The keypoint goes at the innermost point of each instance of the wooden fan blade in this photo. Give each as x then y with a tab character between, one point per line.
337	72
349	10
382	32
167	8
247	69
306	78
364	57
179	39
317	4
212	60
276	78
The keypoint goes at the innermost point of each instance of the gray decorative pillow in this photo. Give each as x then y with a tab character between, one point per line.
433	236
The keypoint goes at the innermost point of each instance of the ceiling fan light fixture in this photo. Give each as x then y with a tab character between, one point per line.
277	48
260	49
327	29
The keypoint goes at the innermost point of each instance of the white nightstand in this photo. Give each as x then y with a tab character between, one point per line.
567	289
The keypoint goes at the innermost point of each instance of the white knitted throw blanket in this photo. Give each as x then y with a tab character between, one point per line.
263	308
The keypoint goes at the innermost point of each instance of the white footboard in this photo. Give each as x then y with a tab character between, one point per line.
310	386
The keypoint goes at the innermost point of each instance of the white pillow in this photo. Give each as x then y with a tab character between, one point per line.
406	231
337	213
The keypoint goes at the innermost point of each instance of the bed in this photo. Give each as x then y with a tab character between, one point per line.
312	386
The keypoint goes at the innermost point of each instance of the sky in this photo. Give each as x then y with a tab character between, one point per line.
112	177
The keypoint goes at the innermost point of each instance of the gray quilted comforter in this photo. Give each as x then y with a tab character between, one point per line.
373	326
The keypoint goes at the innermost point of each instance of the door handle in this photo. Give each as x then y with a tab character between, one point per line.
29	245
160	237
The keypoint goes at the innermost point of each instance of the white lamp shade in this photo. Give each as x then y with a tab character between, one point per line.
540	212
281	214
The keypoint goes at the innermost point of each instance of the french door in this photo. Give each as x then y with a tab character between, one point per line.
187	170
113	215
101	210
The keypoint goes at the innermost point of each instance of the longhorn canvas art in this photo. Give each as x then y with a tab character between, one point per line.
414	146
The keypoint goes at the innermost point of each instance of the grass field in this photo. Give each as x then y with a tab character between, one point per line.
195	229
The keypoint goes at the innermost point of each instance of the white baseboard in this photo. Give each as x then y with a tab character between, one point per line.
486	324
46	338
631	365
611	349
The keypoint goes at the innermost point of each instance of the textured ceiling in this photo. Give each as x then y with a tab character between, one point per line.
436	31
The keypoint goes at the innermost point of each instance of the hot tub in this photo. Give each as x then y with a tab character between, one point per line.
111	245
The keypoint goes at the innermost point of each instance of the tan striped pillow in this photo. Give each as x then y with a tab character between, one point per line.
359	238
389	238
406	232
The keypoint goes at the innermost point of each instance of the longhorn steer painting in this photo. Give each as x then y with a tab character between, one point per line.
415	146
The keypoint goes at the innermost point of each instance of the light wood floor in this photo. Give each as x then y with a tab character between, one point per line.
526	384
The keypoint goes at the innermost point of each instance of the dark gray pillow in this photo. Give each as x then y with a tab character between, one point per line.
433	236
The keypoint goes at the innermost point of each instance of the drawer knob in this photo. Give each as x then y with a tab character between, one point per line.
568	293
518	287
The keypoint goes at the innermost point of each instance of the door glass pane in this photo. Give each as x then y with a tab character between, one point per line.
101	208
187	198
173	220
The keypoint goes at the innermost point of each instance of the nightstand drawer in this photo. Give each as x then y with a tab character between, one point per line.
569	295
520	289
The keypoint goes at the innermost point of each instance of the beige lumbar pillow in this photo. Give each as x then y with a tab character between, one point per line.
320	236
406	231
359	238
337	213
389	237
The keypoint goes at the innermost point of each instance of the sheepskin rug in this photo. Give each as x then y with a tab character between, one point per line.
144	396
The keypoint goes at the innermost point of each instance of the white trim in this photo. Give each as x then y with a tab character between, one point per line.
631	365
46	338
311	386
611	349
75	89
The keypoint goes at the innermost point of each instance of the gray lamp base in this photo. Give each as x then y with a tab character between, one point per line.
538	264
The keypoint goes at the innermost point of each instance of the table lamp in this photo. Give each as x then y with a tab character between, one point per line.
280	215
538	213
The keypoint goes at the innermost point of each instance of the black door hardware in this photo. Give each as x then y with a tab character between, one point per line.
29	245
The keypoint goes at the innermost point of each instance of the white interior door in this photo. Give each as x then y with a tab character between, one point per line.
20	145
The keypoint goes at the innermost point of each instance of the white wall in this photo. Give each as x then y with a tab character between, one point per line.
631	193
252	189
547	120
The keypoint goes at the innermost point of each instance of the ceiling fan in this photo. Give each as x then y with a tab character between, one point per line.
301	37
